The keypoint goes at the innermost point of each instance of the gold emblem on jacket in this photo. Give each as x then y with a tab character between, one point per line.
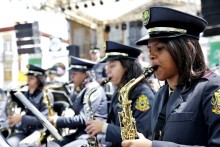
142	103
215	101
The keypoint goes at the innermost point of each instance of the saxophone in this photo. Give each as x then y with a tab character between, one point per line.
40	136
48	101
127	122
34	139
93	142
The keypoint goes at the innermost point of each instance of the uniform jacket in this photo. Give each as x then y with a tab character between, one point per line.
3	112
142	118
29	123
191	118
99	106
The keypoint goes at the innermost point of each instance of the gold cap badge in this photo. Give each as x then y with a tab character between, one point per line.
146	16
28	66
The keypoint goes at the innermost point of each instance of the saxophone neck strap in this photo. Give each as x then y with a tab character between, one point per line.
161	121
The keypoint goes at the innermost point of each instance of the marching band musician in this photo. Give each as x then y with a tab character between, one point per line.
98	68
122	66
52	74
187	109
83	83
3	112
28	123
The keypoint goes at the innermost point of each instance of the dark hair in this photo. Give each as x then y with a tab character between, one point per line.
41	81
187	54
133	69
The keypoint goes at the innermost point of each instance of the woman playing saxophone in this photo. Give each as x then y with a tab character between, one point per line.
186	111
121	68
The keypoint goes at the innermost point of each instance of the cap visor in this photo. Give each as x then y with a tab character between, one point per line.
157	35
116	58
143	40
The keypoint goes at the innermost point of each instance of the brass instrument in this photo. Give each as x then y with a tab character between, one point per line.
12	104
93	142
37	137
40	136
11	108
127	122
47	100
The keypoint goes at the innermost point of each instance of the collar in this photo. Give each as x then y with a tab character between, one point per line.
170	90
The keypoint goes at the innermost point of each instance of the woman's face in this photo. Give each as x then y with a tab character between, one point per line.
159	55
78	77
115	71
32	82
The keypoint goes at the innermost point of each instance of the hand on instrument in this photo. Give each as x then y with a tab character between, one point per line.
14	119
94	127
53	119
141	142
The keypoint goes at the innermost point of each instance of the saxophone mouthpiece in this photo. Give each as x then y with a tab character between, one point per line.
150	70
105	81
67	83
155	67
23	85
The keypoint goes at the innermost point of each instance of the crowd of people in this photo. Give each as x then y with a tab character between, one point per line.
184	111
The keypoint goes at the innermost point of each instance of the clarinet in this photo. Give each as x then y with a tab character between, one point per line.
93	142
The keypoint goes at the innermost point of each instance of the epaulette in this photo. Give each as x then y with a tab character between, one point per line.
207	74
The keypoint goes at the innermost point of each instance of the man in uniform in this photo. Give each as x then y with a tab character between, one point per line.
99	68
83	85
3	116
52	74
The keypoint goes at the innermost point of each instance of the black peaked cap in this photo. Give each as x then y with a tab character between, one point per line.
162	22
35	70
79	64
116	51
